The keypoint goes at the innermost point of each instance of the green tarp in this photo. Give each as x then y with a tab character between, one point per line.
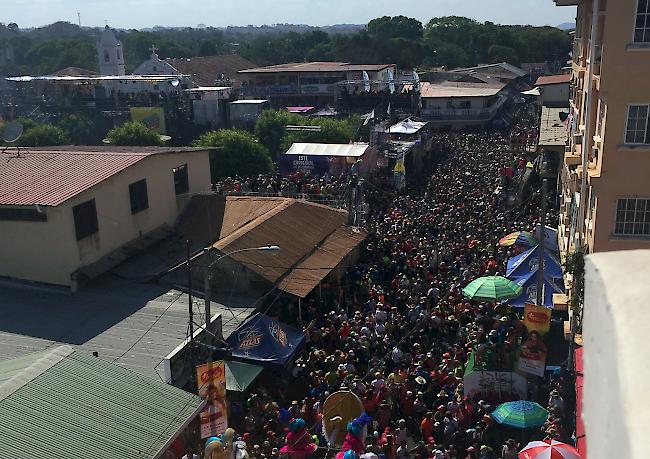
240	375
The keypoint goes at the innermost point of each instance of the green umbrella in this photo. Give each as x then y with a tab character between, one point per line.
521	414
490	288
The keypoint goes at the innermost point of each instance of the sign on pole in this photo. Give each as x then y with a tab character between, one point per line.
211	381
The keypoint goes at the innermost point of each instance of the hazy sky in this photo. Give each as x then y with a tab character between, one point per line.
147	13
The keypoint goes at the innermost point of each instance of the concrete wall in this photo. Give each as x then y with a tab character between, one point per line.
555	94
624	171
48	252
615	331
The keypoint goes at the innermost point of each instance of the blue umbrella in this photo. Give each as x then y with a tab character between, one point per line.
528	283
527	262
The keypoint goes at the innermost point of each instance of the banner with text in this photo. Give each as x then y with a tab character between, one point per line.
537	318
211	380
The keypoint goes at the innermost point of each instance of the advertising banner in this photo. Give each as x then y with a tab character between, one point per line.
152	117
537	318
532	354
211	381
494	384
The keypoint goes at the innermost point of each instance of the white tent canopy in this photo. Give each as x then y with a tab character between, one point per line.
328	149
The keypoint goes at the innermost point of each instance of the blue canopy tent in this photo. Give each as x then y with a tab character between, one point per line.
527	262
529	283
550	238
264	341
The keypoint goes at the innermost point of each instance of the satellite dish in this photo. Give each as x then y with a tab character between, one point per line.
391	81
366	81
12	132
174	83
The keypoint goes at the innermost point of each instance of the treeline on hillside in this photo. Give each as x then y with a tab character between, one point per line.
449	41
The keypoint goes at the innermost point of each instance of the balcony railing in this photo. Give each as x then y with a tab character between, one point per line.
471	114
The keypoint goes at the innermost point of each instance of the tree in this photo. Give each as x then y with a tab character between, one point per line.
44	135
133	134
239	153
270	128
83	130
331	131
498	53
396	27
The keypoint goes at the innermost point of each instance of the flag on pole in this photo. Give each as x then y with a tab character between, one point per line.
369	117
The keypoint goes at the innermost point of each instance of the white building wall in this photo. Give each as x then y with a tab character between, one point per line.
48	252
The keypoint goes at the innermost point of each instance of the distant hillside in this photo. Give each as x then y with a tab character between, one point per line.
450	41
566	26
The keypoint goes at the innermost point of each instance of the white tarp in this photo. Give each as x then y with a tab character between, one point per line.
531	92
328	149
407	126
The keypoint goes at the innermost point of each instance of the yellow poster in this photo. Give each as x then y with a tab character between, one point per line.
211	380
152	117
537	318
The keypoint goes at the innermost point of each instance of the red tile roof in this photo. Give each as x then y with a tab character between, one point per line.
51	177
318	67
206	69
553	79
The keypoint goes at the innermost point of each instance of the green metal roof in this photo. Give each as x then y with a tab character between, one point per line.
69	404
240	375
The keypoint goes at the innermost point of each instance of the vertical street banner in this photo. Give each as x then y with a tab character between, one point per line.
532	355
537	318
211	381
152	117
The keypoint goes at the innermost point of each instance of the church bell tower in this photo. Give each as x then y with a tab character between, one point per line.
110	54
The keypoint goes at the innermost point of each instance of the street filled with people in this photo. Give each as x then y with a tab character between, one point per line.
399	332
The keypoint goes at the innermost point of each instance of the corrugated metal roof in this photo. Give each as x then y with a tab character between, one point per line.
307	275
83	406
206	69
428	90
552	131
298	227
328	149
50	177
313	237
131	324
553	79
317	67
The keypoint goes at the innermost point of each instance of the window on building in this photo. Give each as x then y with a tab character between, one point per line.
181	183
637	127
632	217
85	219
139	196
642	24
602	107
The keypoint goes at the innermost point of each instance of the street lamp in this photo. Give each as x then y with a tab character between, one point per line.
208	272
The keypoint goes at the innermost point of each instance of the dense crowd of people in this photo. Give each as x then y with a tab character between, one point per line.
292	185
399	334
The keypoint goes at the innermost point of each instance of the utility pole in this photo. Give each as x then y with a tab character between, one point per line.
189	293
207	288
540	248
